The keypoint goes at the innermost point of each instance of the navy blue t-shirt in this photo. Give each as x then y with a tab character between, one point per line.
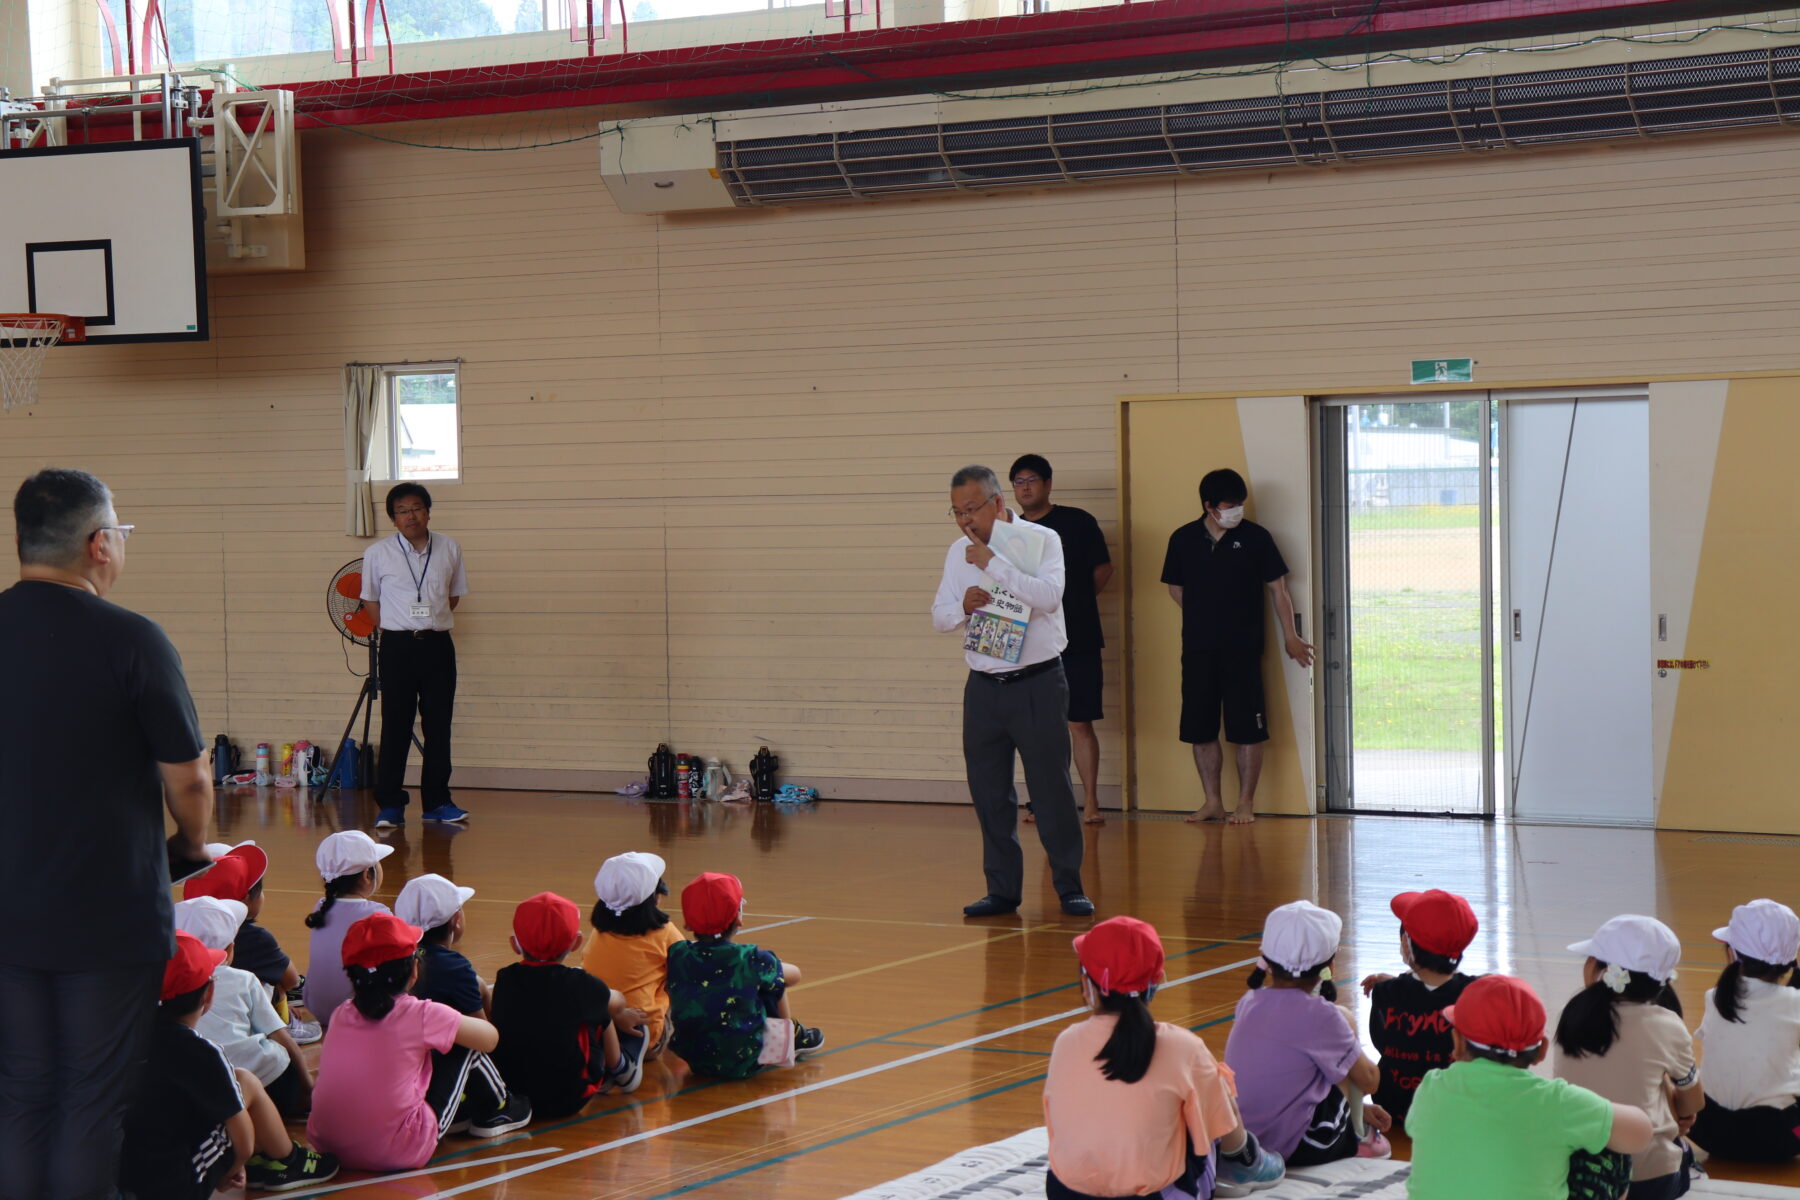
257	952
449	978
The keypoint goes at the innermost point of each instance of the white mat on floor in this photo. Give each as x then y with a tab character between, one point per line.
1014	1170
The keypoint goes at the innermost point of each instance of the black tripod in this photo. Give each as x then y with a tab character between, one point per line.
365	705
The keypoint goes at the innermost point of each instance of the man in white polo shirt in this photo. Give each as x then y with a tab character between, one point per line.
411	584
1016	698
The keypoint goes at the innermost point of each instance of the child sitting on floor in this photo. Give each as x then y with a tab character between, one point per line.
1295	1052
1622	1037
1751	1031
1487	1128
435	905
194	1124
729	1001
237	874
350	863
240	1021
632	936
1406	1011
380	1103
564	1035
1136	1107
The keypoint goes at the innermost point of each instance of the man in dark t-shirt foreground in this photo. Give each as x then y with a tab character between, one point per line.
1218	569
97	736
1089	569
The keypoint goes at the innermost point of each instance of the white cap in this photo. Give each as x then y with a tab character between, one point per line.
348	852
214	921
1637	943
1299	936
1766	930
430	900
627	880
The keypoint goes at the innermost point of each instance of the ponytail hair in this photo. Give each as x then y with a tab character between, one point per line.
1310	977
1728	994
335	889
1127	1053
373	989
1589	1023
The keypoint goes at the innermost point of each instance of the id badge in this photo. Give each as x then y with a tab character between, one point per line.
420	612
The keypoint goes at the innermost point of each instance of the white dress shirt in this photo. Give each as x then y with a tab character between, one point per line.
1754	1061
1045	636
397	577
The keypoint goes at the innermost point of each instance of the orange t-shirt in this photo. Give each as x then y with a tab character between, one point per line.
1109	1138
637	966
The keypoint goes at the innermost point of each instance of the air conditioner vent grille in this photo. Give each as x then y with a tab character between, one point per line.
1541	108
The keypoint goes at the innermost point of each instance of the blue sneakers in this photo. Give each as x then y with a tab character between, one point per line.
1241	1179
445	813
390	818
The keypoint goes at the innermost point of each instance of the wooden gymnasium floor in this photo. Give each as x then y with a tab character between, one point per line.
938	1027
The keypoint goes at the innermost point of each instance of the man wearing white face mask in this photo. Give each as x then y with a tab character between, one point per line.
1217	569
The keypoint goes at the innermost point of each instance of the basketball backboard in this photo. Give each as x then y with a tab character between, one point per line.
111	233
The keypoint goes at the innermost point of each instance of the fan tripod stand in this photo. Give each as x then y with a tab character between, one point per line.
365	707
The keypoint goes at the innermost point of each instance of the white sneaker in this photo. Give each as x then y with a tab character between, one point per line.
304	1033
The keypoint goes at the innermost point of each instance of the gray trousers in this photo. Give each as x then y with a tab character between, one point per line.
1031	718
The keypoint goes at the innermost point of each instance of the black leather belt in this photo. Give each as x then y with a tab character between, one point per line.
1021	673
415	633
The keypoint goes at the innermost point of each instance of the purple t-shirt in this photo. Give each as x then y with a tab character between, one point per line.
326	984
1288	1048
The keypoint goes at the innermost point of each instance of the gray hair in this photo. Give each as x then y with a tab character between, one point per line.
55	512
990	482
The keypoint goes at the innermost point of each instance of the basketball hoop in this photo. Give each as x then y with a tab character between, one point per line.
25	341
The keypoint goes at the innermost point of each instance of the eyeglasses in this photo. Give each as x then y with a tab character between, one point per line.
123	530
1025	480
410	512
957	514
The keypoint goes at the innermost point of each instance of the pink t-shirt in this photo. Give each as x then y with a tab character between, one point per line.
1109	1138
369	1103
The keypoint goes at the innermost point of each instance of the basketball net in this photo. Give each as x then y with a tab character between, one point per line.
25	341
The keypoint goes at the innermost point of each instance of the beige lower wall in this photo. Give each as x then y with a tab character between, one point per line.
706	455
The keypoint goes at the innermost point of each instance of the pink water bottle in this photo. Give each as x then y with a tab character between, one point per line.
684	778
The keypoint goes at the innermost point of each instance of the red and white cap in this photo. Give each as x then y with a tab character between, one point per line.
379	938
1438	921
191	967
348	852
1121	955
1637	943
545	927
430	901
1299	936
214	921
235	870
1499	1012
711	903
1766	930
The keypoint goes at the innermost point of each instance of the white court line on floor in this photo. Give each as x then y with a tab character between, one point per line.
427	1170
791	1093
775	925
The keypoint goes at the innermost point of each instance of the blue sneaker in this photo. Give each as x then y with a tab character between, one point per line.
1241	1179
447	813
390	818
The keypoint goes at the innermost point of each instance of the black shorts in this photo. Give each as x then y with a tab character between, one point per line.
1756	1134
1212	681
1082	668
1329	1136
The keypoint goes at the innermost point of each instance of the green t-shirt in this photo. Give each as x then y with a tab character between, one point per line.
1484	1131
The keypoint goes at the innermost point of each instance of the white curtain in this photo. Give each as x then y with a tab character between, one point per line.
362	411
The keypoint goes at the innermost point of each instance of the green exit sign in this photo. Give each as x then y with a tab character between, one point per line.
1443	370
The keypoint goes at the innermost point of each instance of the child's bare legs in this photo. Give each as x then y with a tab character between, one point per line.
272	1140
609	1039
790	975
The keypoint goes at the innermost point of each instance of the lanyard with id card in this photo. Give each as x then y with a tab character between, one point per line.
418	610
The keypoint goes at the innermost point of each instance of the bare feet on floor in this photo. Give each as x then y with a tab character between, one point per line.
1093	817
1243	814
1208	814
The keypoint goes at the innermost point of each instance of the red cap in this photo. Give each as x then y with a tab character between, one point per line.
545	926
1499	1012
711	903
191	967
379	938
231	876
1440	922
1121	954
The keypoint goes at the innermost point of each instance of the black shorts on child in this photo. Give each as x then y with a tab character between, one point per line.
1757	1134
176	1146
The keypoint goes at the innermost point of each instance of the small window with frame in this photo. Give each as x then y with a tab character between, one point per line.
419	435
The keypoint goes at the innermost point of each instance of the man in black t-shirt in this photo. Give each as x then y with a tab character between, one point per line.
1089	569
97	735
1218	569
